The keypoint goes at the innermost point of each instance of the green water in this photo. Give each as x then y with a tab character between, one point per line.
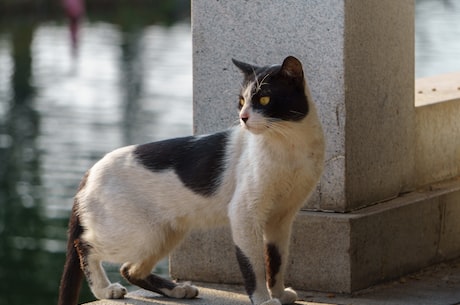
128	82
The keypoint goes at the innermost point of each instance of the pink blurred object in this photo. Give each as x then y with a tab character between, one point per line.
74	9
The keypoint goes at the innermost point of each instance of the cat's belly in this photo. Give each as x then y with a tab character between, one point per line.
126	201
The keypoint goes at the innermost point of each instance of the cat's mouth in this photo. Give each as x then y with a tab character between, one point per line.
253	127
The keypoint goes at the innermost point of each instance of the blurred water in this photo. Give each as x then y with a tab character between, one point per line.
111	96
59	114
437	37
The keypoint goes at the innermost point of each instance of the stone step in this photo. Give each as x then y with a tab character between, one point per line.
436	285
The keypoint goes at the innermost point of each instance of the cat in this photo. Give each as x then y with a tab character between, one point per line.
138	202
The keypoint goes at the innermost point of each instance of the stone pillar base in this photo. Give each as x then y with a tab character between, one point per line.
337	252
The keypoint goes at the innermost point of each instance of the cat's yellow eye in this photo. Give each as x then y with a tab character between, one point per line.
264	100
241	101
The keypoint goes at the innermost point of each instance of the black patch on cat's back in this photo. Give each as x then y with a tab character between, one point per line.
197	161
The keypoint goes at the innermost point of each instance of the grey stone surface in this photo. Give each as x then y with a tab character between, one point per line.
358	57
436	285
379	100
450	230
206	256
437	141
401	236
264	33
207	297
344	252
319	257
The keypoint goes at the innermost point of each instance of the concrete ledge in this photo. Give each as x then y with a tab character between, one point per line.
437	129
207	296
405	234
436	285
437	89
344	252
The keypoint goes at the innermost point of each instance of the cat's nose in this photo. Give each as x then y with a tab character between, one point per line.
244	116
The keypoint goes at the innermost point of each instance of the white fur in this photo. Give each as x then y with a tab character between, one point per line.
134	215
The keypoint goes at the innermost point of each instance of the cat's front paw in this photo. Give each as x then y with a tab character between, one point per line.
289	296
183	291
271	302
113	291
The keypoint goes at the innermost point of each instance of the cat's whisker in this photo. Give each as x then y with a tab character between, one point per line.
298	113
262	82
228	90
235	122
257	84
254	73
278	127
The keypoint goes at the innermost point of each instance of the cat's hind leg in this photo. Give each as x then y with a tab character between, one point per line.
140	275
96	276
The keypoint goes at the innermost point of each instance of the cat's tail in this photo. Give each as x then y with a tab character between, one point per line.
72	276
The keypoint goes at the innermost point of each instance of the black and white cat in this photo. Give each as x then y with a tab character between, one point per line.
137	203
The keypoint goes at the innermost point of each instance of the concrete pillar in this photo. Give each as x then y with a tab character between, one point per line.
358	56
359	59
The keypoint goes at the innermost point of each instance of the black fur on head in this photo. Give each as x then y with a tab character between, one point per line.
285	84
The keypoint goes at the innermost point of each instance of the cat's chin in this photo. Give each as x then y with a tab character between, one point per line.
254	129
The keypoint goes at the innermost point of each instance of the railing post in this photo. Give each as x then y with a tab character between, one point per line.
358	56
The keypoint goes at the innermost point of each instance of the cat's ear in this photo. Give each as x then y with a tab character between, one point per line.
292	67
247	69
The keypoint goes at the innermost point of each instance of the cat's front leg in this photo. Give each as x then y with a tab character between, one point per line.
248	238
275	260
277	237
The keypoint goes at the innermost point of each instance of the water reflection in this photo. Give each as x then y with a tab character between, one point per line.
437	37
58	115
21	226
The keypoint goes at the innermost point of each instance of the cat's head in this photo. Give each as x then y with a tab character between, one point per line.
271	95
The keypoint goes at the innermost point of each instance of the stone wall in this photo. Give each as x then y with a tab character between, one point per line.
358	56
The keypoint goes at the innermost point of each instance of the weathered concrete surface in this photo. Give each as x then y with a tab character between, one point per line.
358	58
379	100
437	128
264	33
344	252
436	285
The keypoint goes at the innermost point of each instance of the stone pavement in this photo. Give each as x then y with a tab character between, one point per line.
436	285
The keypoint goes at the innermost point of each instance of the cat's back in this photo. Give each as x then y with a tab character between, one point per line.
199	162
180	175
